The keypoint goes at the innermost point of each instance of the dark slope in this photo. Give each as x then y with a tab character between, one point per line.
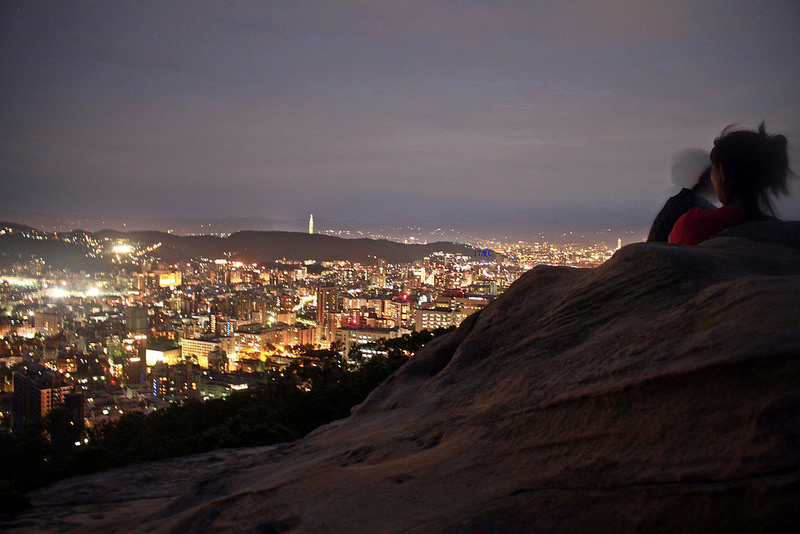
15	248
248	247
658	392
259	247
270	246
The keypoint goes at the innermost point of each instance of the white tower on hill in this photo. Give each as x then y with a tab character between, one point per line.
311	224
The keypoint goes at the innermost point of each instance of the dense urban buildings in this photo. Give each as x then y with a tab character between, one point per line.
37	390
149	332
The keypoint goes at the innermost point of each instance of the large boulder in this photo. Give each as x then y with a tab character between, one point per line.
657	392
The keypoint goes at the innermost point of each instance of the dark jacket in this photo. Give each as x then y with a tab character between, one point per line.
676	206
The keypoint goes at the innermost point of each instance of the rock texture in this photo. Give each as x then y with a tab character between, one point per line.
657	392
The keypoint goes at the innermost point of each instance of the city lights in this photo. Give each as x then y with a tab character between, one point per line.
145	333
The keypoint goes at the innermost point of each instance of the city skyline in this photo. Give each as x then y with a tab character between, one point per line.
377	112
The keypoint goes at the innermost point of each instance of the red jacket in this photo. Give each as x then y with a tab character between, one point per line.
697	224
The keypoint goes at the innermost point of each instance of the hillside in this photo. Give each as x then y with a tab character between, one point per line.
247	246
18	249
657	392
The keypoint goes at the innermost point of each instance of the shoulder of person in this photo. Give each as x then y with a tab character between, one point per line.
685	228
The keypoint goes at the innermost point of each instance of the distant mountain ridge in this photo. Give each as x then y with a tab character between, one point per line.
266	246
15	247
245	246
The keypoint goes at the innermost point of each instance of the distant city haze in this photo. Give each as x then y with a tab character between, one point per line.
549	117
559	230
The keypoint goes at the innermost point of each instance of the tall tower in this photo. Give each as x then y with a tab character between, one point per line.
311	224
327	306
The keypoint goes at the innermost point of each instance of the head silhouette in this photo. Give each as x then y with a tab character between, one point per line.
686	165
748	167
703	184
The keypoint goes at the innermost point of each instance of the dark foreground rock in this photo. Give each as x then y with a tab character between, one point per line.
658	392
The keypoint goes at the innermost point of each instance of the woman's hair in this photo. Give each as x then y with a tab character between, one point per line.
755	164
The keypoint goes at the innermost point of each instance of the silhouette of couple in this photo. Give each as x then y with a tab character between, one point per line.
745	169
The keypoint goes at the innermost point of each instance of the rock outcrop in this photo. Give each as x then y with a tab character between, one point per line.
657	392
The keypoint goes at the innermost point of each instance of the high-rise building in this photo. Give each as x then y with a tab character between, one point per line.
251	308
311	224
135	364
327	306
37	390
432	318
175	382
136	319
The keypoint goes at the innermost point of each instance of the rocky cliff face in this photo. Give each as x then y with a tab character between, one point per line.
658	392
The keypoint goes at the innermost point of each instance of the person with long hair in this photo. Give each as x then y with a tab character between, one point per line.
747	169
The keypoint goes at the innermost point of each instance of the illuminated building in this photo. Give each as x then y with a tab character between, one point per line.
362	336
169	279
199	349
135	365
295	335
433	318
171	356
405	306
47	322
252	339
286	317
175	382
397	310
311	224
37	390
472	303
5	329
327	306
251	308
222	326
378	280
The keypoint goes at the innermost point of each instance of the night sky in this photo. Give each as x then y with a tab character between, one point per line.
381	110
